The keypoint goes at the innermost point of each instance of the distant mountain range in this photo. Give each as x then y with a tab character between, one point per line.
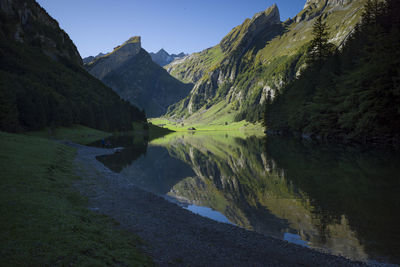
131	72
162	57
89	59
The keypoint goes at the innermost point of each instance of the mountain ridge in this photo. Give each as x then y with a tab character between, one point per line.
103	65
131	72
255	60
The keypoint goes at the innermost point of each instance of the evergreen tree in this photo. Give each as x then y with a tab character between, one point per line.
373	9
8	110
320	49
267	108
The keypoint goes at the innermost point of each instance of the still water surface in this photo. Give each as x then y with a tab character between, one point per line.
344	201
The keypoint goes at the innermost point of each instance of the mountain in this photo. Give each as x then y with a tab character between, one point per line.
256	59
131	72
42	81
162	57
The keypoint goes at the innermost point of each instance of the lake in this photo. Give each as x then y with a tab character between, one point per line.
344	201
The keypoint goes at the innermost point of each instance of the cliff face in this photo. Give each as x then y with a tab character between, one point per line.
130	71
256	59
243	35
102	66
25	21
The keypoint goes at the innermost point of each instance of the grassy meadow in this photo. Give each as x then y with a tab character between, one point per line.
44	221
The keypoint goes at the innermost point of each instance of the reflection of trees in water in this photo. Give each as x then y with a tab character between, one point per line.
290	185
125	157
133	148
360	186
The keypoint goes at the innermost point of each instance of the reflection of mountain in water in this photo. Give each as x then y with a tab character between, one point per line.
157	171
342	201
318	194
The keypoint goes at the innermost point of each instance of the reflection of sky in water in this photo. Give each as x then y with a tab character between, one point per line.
209	213
296	239
219	217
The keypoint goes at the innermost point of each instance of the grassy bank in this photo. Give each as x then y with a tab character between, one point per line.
78	134
202	126
43	221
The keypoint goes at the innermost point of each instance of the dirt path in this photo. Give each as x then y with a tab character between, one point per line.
176	236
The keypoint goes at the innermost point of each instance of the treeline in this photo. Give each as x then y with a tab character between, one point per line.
36	91
352	92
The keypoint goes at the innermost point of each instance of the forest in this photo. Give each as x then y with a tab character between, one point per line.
350	92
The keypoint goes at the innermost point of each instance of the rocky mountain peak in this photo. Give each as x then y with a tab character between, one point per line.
162	52
131	45
270	15
101	66
133	40
243	35
326	2
163	58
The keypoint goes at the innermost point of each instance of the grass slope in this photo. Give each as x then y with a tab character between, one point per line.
178	126
77	134
43	221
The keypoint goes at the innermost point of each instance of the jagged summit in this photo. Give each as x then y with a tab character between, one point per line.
101	66
261	24
162	52
163	58
271	14
133	40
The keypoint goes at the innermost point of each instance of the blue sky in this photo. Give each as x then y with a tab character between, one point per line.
175	25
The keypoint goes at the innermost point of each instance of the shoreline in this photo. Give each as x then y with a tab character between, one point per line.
177	236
